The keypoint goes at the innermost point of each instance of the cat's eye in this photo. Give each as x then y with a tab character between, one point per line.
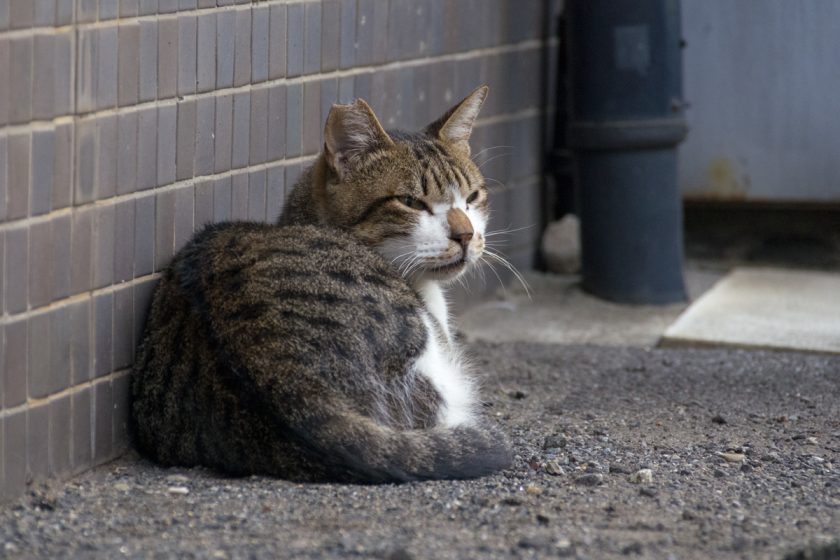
412	202
472	198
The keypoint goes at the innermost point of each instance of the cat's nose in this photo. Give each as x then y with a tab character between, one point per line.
460	227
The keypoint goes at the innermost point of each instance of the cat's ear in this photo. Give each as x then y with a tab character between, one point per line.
455	126
351	131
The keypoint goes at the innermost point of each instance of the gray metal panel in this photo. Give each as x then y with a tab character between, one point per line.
762	81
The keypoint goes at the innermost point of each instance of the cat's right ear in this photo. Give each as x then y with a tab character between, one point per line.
352	131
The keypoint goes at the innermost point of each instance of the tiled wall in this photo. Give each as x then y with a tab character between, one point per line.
126	125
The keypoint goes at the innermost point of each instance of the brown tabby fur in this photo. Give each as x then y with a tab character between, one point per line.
287	350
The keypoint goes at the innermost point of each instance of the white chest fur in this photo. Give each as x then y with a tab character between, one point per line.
442	363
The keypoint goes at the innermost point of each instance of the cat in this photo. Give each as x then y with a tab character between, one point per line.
320	348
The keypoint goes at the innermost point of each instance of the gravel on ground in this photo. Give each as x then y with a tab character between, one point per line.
620	452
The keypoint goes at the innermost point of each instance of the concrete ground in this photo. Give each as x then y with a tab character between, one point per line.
552	309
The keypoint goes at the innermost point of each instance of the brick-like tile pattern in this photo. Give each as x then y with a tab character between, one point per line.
126	125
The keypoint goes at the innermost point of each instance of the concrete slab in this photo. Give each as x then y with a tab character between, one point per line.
765	308
558	311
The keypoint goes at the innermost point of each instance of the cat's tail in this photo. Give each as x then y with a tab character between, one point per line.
355	447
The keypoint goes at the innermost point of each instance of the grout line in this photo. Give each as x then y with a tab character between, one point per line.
90	384
75	298
297	80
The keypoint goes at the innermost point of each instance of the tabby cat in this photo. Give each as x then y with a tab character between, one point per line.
320	349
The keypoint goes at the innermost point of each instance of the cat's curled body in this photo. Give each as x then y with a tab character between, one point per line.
301	351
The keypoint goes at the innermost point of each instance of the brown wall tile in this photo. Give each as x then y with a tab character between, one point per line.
18	148
60	337
144	235
14	453
242	49
184	212
206	52
16	366
16	270
40	264
205	123
81	250
257	196
103	418
127	148
239	197
224	132
62	235
103	250
81	341
103	334
186	132
128	90
38	443
124	231
62	187
41	382
167	58
61	434
164	229
123	327
222	199
82	411
20	80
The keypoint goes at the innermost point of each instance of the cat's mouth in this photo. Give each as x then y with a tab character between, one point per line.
447	269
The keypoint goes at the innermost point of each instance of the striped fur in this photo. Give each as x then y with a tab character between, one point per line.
300	350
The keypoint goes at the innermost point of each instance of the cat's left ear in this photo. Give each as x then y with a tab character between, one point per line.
456	125
351	132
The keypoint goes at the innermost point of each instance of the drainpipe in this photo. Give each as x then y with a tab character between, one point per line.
626	121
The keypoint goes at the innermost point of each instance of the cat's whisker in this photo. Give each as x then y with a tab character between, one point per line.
475	157
507	264
495	273
508	231
493	180
491	158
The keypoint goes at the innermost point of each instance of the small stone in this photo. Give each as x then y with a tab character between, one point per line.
563	547
177	479
532	542
592	479
518	395
543	519
732	457
122	487
632	548
399	554
555	442
616	468
648	492
553	468
811	441
533	490
688	515
746	468
642	476
718	419
178	490
771	457
719	473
